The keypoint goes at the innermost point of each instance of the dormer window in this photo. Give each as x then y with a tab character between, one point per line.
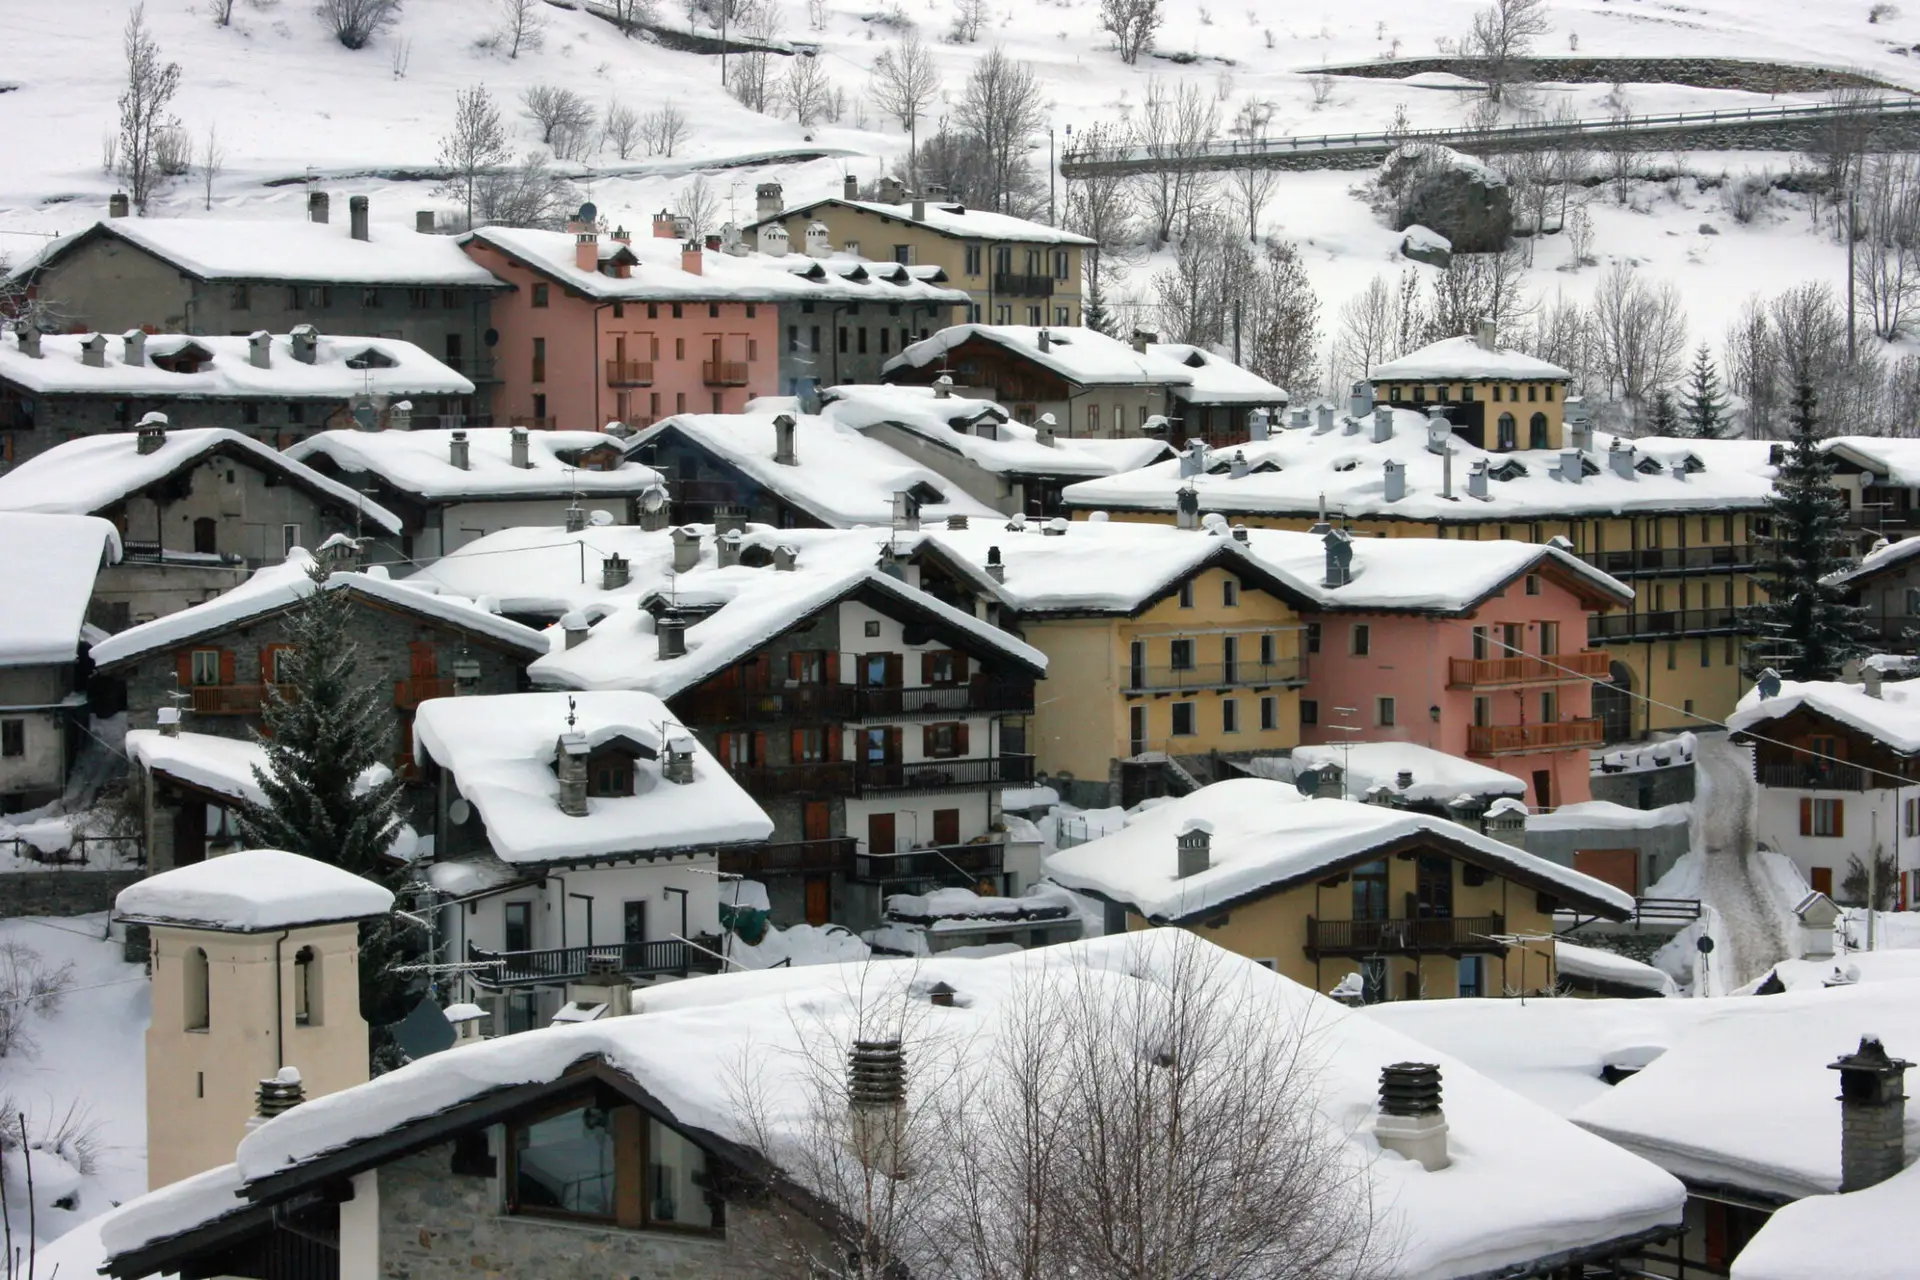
610	773
371	358
188	359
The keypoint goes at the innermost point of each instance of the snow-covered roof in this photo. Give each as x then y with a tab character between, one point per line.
743	608
1886	557
221	765
1588	815
1892	459
839	477
47	567
1464	358
500	752
420	463
343	367
657	273
252	891
1267	837
1302	471
1436	776
1746	1099
287	249
984	433
1871	1234
1522	1184
1426	575
1085	357
1892	718
194	1201
1571	960
92	473
950	218
281	586
1214	379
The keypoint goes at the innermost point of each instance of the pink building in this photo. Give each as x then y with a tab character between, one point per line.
1476	649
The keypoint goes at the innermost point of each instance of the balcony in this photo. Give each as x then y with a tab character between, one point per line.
794	857
498	969
233	699
1020	284
629	373
845	702
1816	776
1496	673
1667	561
1456	935
955	863
724	373
1213	675
978	697
1668	624
945	775
818	777
414	690
1522	739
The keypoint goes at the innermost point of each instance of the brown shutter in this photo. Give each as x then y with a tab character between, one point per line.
226	666
960	738
793	666
726	750
1839	817
798	745
759	749
1806	817
183	666
833	666
926	668
959	668
927	743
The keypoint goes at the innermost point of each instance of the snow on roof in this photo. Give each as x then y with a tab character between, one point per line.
952	218
1455	359
168	1211
500	753
1085	357
1522	1184
742	608
379	367
222	765
1892	718
280	586
1424	574
1587	815
1266	836
983	432
420	463
542	571
657	272
1437	776
92	473
841	478
1747	1100
1214	379
289	249
1885	557
1893	460
1302	471
1871	1234
252	891
47	567
1592	963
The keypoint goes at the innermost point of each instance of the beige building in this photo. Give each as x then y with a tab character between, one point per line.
255	965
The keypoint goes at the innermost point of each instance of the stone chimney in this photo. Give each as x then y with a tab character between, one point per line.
1237	467
877	1103
1338	544
1620	458
357	218
783	452
784	559
1870	680
1194	848
277	1096
773	240
457	451
892	191
670	629
1382	424
727	549
575	628
819	240
29	339
118	205
849	188
1140	338
150	433
1396	480
996	569
676	766
1360	399
615	572
260	349
691	258
686	549
518	449
168	718
1571	469
305	341
1489	336
424	221
1477	479
766	201
1873	1115
570	764
93	351
586	249
1410	1120
729	518
318	203
135	353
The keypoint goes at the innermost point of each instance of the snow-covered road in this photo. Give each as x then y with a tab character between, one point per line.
1733	882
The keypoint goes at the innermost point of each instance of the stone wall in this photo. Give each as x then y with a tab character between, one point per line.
1697	73
1646	788
61	893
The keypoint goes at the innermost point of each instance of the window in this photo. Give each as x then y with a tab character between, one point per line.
1180	655
1509	432
1383	712
871	628
1549	707
1533	391
293	297
306	988
196	993
943	667
1035	316
1186	594
610	774
680	346
13	737
420	299
539	359
250	414
807	666
1673	654
1183	720
1362	640
1473	977
1370	891
1061	260
1268	650
1093	419
1706	652
1533	584
1823	818
1537	431
206	666
814	745
1913	817
677	311
1063	316
370	299
1229	715
1309	711
973	260
1269	712
1230	593
296	413
1313	637
519	926
1549	639
564	1165
289	538
943	741
1229	659
240	298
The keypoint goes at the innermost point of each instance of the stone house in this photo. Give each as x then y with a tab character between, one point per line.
191	789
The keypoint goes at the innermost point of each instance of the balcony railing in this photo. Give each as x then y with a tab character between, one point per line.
556	965
414	690
1519	739
233	699
1667	624
1403	937
1815	777
1670	560
1487	673
959	863
819	777
792	857
629	373
946	775
984	697
846	702
1212	675
1021	284
724	373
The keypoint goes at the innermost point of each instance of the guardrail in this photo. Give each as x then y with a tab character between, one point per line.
563	964
1666	910
789	857
1813	777
82	852
957	862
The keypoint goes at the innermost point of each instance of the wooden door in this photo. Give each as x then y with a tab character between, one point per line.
1618	867
422	659
946	826
190	832
880	833
816	820
819	900
1822	879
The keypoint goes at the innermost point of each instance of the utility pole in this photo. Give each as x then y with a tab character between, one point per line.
1051	170
1852	188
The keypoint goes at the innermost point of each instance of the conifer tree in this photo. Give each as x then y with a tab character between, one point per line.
1806	629
1706	408
1666	419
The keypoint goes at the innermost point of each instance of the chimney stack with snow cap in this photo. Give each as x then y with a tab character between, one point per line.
773	240
1338	544
29	336
318	204
135	353
151	433
670	629
1410	1120
168	719
358	224
305	341
458	453
260	349
1572	468
1043	430
766	201
1323	417
1394	480
1870	679
819	240
1489	335
1382	424
1194	848
686	548
1873	1115
1620	458
676	766
1477	479
727	549
93	351
1257	425
1360	399
518	448
276	1096
570	765
118	206
783	450
575	628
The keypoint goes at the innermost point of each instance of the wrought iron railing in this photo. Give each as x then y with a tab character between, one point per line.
951	862
789	857
567	964
1815	776
1212	675
1400	937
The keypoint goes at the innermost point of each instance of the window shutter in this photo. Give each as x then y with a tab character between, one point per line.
226	666
1839	817
266	664
183	667
1806	817
926	668
960	738
960	668
833	666
793	666
726	750
929	746
759	748
798	745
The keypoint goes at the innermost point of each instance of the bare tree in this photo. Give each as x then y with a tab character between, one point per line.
751	80
521	26
1001	111
805	90
1278	326
560	113
1887	251
620	128
1750	361
355	22
1502	38
1253	184
1639	333
1132	23
699	204
632	15
1174	129
1840	139
528	195
663	129
1561	336
1809	339
221	11
474	146
212	159
144	118
1366	334
970	17
1100	207
905	84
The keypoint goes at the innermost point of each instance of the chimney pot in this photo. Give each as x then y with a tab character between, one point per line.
1046	342
1572	469
1477	479
117	205
150	433
586	249
1195	848
1410	1120
1187	506
727	549
305	340
906	510
1870	679
783	450
690	258
686	549
520	449
168	718
29	337
670	629
576	518
1339	549
1360	400
676	766
850	188
1873	1110
318	203
424	221
784	559
466	677
615	572
1396	480
1489	335
919	208
1257	425
278	1095
457	451
766	201
1324	416
996	569
958	520
357	217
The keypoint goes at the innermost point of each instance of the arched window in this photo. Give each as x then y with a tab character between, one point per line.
1537	432
306	988
195	981
1509	432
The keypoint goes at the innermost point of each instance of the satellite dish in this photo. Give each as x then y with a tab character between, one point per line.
1703	944
1307	781
491	337
653	499
459	811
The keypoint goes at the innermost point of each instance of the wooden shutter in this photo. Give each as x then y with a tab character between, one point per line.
726	750
960	738
793	666
926	668
833	666
183	667
1839	817
959	668
929	741
798	745
759	756
1806	817
226	666
893	670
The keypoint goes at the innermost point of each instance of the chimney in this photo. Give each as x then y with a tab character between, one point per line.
399	412
943	387
1298	419
1579	423
1620	458
663	228
317	205
1186	507
570	764
676	766
727	550
466	677
906	511
150	433
1403	779
1055	528
1195	847
517	447
1326	417
957	520
784	559
1410	1120
586	249
670	629
690	259
1046	342
1382	424
357	218
892	191
615	572
117	205
1396	480
1360	399
1870	678
622	236
576	629
136	348
1043	430
1352	427
1873	1115
1339	551
305	340
260	349
1256	425
729	518
1477	479
575	518
29	340
1489	336
1237	467
1140	339
686	549
712	242
457	453
995	568
919	208
168	718
423	221
783	441
819	240
849	188
93	351
773	240
277	1096
1571	468
766	201
877	1102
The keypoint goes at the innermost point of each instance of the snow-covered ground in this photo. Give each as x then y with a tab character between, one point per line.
1753	892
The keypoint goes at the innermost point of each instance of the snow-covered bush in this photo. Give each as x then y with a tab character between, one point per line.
355	22
28	989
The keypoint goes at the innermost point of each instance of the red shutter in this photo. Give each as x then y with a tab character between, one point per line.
798	744
1839	817
833	666
793	666
759	749
726	750
183	665
960	739
926	668
1806	817
266	664
226	666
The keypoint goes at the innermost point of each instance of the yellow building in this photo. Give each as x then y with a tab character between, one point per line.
1015	270
1324	890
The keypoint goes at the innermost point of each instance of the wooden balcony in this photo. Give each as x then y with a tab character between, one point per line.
851	778
1498	673
556	965
233	699
1523	739
724	373
1022	284
414	690
1457	935
629	373
793	857
817	777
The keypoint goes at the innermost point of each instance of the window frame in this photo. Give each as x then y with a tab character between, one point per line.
1176	711
13	738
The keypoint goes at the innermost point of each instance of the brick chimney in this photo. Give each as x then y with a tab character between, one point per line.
691	259
570	764
1194	847
150	433
586	249
663	226
1873	1115
1410	1120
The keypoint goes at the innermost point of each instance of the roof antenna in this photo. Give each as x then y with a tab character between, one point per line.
571	718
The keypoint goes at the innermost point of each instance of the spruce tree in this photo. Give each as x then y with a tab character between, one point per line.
1806	629
1706	408
1666	419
